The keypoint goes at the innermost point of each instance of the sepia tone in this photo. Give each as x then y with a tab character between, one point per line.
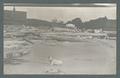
60	40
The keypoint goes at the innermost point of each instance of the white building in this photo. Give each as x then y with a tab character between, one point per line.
70	25
98	30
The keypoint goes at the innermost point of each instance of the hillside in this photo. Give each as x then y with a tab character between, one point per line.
20	18
103	22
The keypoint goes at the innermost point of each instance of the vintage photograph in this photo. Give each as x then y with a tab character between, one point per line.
60	40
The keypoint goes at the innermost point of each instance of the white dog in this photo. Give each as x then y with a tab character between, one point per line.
55	61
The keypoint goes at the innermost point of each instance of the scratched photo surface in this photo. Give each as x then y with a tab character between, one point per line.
60	40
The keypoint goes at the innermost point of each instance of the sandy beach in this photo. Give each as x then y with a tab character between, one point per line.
85	57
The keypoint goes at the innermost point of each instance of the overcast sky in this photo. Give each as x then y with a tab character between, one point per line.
67	13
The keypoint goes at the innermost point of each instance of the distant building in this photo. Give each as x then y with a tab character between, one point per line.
14	17
63	29
98	30
70	25
89	31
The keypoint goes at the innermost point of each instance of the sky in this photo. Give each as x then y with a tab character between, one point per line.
67	13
